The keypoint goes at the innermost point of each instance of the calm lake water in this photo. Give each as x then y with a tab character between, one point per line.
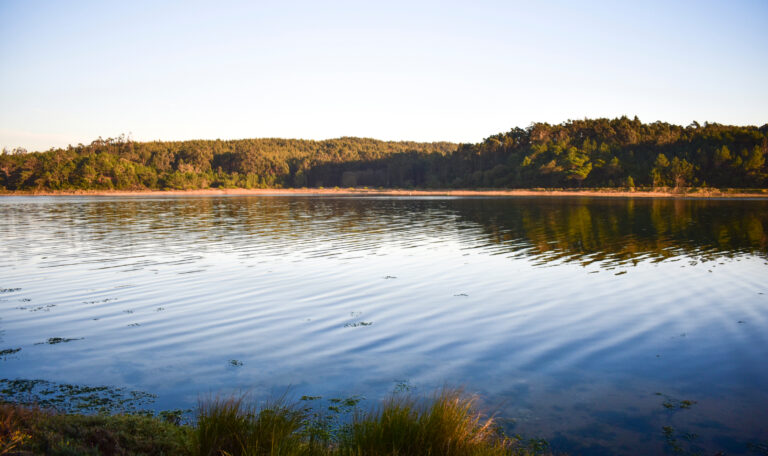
568	315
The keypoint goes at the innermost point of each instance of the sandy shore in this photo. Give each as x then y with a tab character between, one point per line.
693	193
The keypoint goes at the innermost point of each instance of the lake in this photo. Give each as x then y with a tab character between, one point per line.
605	325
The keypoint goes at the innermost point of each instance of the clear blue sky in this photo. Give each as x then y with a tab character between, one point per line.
428	71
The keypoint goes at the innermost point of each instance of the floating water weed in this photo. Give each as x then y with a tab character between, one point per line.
672	438
70	398
58	340
9	351
358	323
44	308
100	301
670	403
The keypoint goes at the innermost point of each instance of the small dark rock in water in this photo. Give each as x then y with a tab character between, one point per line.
9	351
134	324
57	340
9	290
620	273
461	294
390	277
235	363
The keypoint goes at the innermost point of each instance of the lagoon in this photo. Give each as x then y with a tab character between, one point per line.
593	323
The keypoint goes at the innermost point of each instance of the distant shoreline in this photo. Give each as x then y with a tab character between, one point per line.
621	193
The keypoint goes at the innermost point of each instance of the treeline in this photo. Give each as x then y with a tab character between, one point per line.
619	152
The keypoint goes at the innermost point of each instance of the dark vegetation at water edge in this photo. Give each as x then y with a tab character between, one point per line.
448	424
597	153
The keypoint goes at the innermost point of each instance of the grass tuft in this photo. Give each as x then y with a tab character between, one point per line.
447	425
236	427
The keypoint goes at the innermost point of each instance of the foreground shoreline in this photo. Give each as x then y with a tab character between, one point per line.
620	193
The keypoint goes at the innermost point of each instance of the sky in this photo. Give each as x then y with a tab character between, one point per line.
424	71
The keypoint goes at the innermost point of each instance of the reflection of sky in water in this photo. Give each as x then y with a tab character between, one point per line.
566	315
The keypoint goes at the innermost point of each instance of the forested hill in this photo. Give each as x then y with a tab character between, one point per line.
619	152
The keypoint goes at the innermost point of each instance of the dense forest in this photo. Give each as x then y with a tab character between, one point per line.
593	153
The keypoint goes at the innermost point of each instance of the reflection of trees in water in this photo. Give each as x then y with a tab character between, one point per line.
583	230
622	230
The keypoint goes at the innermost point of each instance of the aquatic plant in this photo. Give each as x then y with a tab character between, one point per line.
58	340
69	398
671	403
357	324
9	351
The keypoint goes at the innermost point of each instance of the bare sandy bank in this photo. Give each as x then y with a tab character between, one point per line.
622	193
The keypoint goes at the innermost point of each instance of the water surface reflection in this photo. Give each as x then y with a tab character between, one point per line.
572	313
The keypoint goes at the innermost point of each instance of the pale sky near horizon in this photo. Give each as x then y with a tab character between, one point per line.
423	71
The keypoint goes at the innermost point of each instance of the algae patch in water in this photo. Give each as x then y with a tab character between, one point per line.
100	301
69	398
45	308
355	324
358	323
58	340
670	403
9	351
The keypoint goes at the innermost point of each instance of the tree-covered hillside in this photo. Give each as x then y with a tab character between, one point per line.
619	152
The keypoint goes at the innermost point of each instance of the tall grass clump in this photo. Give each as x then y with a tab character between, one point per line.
236	427
447	425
